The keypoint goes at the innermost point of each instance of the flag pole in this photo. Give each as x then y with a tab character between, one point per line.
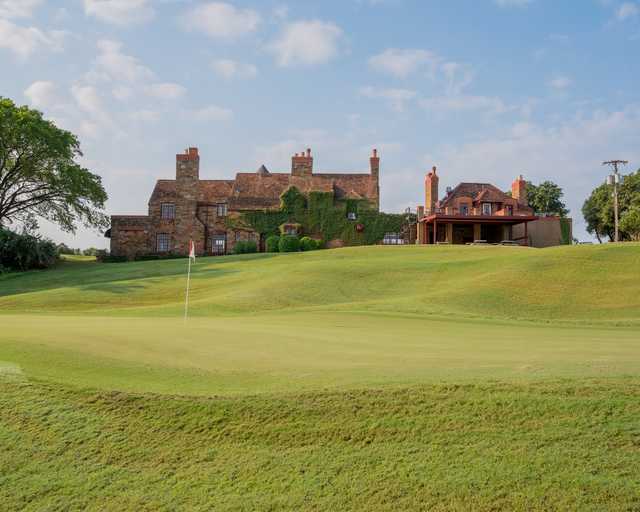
192	256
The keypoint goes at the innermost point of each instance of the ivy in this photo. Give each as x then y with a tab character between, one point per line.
321	216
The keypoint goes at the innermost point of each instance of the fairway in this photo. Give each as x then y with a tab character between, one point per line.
378	378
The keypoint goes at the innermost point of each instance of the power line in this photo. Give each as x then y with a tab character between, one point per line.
614	180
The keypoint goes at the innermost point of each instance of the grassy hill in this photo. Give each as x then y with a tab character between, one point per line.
372	378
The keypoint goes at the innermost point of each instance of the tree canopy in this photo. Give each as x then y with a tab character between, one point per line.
546	199
39	176
598	209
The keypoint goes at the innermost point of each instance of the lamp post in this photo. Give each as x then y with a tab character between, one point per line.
614	179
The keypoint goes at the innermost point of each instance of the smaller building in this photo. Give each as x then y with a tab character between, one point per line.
474	212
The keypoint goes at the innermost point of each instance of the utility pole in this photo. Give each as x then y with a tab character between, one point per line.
614	179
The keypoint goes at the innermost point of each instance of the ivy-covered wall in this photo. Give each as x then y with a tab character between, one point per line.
322	217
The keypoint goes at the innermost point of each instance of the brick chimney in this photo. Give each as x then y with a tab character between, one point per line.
431	190
188	165
374	162
302	164
519	191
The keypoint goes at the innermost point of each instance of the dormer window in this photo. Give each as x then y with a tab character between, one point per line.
352	215
509	210
486	208
464	209
221	210
168	211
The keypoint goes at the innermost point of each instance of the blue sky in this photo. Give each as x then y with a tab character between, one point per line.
484	89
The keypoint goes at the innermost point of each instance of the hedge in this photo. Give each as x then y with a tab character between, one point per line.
243	247
25	252
289	243
272	243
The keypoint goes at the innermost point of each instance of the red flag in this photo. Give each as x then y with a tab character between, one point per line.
192	250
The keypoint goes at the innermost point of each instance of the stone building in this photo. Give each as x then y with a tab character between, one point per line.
189	208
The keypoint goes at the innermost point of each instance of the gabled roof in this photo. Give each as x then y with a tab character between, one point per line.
477	192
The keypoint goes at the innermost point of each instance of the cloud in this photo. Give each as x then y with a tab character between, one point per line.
627	10
18	8
461	103
228	68
120	12
512	3
88	100
112	64
212	113
560	82
458	76
306	43
24	41
221	20
42	94
166	91
402	63
147	116
397	98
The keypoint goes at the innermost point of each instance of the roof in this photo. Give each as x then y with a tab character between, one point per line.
262	189
477	192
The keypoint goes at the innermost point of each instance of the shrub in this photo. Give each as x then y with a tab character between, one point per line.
308	244
25	252
247	247
154	256
289	243
272	243
110	258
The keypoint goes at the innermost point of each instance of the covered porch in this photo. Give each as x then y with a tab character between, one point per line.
460	229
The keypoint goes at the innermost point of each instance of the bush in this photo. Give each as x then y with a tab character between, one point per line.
289	243
247	247
155	256
25	252
308	244
109	258
273	243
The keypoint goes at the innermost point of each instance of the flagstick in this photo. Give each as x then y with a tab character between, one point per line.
186	301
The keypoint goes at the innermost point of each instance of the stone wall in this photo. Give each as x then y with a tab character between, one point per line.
544	232
131	235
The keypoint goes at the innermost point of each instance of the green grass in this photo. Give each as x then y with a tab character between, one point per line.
373	378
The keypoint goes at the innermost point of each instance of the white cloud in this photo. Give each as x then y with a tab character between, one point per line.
221	20
88	100
560	82
114	65
166	91
212	113
120	12
306	43
42	94
24	41
18	8
458	76
402	63
627	10
461	103
228	68
397	98
513	3
147	116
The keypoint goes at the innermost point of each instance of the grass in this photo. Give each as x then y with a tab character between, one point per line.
428	378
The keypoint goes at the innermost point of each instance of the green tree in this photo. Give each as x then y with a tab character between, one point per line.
39	176
598	208
630	223
546	199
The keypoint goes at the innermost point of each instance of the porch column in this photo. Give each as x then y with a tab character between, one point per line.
505	232
435	231
526	234
449	233
477	232
420	232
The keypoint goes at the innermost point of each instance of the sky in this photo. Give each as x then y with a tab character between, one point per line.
483	89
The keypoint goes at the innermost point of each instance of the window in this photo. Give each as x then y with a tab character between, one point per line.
218	244
163	242
464	209
352	215
168	211
486	208
392	239
253	237
221	210
237	235
509	209
291	230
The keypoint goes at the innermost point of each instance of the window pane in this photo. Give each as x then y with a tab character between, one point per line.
163	242
168	210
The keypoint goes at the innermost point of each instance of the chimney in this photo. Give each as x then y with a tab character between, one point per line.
302	164
188	165
519	191
431	190
374	163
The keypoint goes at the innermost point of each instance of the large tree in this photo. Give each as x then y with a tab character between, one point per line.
598	209
546	199
39	175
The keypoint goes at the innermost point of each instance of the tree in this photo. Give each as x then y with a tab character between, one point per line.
39	176
546	199
598	208
630	223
